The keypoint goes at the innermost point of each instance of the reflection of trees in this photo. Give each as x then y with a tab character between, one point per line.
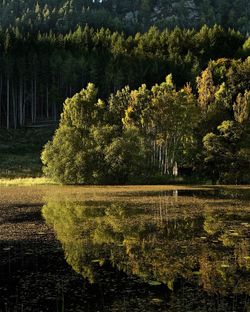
211	250
225	266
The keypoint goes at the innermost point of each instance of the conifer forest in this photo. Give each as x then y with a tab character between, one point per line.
157	67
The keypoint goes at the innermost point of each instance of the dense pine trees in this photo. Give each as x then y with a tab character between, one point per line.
127	15
37	72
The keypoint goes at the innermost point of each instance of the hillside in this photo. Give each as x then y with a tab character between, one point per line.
128	15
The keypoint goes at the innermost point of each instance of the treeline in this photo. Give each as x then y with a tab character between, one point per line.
127	15
148	132
37	72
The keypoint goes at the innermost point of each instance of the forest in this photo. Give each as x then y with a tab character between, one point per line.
138	135
38	72
127	15
137	82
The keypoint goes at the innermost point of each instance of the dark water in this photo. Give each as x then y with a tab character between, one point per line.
149	251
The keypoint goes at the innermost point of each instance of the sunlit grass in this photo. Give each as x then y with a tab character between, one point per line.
25	181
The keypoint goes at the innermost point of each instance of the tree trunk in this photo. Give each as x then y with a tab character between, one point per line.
35	98
14	107
1	91
20	103
47	101
8	105
32	102
166	170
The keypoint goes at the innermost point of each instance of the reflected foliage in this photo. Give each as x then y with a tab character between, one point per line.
174	240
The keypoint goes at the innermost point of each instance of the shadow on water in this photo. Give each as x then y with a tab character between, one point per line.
206	193
36	278
25	217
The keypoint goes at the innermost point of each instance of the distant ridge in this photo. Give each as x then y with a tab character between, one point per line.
130	16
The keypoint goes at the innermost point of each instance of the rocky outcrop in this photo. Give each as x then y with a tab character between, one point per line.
189	13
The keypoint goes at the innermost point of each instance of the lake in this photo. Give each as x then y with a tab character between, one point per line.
141	248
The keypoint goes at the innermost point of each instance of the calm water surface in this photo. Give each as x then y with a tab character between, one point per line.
141	250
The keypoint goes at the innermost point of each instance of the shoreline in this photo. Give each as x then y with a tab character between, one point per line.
40	181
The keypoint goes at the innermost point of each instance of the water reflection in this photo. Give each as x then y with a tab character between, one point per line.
186	246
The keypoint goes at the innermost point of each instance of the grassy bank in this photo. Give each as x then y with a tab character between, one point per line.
20	152
25	181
